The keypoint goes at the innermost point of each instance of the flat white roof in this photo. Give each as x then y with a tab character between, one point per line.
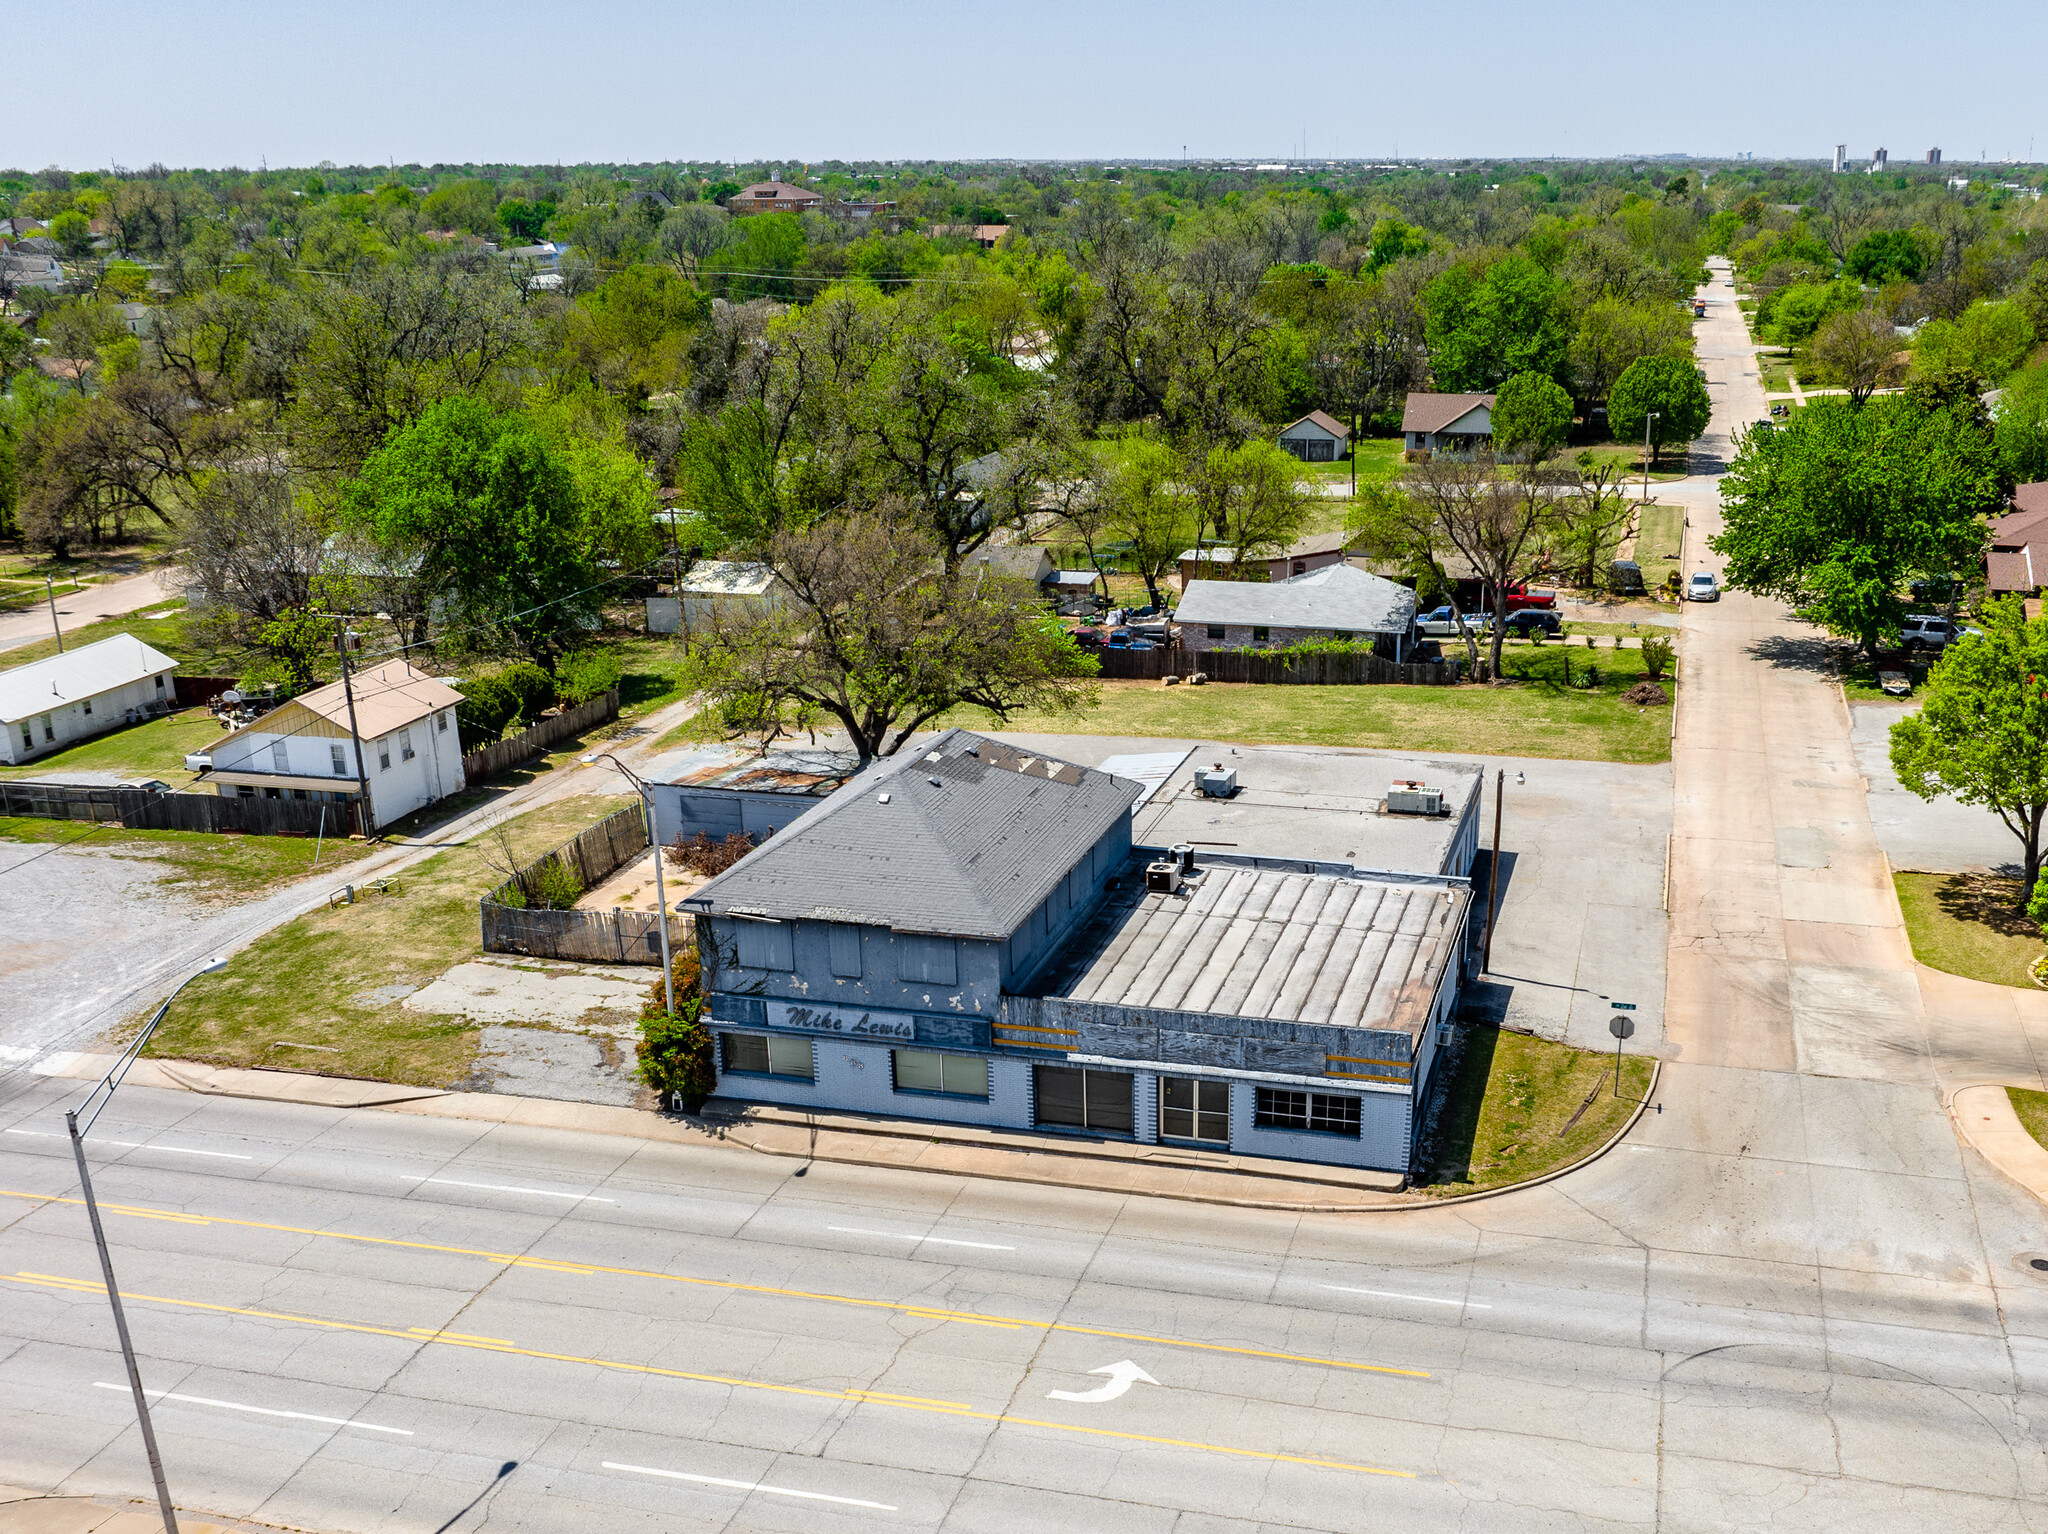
85	672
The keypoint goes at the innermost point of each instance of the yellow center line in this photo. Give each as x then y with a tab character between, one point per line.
903	1307
857	1396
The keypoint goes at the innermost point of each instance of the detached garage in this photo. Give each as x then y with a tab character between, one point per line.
61	700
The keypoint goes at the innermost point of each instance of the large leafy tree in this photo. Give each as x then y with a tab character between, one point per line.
497	520
1664	393
1981	735
1836	511
873	631
1484	327
1532	416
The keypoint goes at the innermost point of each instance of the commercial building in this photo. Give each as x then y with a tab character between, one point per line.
61	700
773	197
967	933
306	748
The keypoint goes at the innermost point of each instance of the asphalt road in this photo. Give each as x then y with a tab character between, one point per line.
88	604
1686	1336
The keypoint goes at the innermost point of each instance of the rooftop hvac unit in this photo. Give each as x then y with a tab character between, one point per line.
1218	782
1162	878
1408	797
1183	853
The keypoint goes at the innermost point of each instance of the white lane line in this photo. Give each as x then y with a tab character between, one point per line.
261	1411
1420	1299
773	1491
495	1187
176	1150
897	1235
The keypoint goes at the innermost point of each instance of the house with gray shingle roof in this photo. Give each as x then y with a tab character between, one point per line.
1334	602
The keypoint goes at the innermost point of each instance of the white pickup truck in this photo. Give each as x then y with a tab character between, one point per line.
1441	625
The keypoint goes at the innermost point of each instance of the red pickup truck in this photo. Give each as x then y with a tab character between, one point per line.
1520	596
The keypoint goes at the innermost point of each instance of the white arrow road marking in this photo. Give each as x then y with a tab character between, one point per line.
773	1491
1420	1299
494	1187
1121	1377
984	1246
261	1411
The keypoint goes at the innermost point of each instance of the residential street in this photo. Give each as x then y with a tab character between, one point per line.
89	604
1789	1300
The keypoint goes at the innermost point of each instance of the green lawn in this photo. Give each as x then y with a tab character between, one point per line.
312	980
1629	455
1506	1117
2032	1109
198	861
1969	925
156	748
1533	717
1658	539
197	653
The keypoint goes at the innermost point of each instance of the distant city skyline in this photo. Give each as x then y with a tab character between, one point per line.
232	82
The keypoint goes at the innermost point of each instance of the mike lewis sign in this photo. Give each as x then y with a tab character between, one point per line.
853	1022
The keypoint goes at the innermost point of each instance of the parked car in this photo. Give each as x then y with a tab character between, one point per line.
1934	590
1520	597
1530	619
1930	631
1703	587
1088	639
1627	579
1441	625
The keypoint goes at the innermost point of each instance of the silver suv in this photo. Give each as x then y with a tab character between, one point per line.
1929	631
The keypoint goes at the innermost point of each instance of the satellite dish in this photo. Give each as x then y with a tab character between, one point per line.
231	696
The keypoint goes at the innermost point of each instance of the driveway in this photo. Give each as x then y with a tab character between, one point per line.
89	604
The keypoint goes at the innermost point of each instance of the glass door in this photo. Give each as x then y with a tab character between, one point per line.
1191	1108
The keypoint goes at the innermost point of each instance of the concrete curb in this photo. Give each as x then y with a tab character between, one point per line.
634	1123
35	1512
1984	1118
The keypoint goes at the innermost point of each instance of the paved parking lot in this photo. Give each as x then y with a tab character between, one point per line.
1583	845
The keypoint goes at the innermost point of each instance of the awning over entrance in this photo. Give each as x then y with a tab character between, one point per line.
280	780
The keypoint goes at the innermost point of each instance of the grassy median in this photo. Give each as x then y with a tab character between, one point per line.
322	993
1969	925
197	863
2032	1110
1521	1106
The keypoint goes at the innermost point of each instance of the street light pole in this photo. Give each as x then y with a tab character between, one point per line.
668	971
1647	419
104	1093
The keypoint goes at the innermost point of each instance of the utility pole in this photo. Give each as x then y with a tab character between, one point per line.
354	735
1647	419
99	1240
50	591
1493	868
646	793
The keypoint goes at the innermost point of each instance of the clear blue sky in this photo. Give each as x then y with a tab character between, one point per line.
218	82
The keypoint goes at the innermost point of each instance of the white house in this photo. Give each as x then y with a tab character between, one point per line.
58	701
304	749
1334	602
1317	438
715	589
1447	423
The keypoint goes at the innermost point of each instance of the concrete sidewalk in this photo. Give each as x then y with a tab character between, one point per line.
1158	1171
1984	1116
31	1512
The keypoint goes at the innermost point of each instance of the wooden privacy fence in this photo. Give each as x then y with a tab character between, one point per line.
592	937
489	761
139	810
201	689
1320	668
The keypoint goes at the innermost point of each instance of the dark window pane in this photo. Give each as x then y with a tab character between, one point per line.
1334	1115
1109	1101
746	1052
1279	1108
791	1057
1059	1096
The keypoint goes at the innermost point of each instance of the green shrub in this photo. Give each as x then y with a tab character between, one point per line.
532	687
584	676
554	886
1656	658
674	1053
487	706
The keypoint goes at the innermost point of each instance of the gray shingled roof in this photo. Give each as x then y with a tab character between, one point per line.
975	834
1334	597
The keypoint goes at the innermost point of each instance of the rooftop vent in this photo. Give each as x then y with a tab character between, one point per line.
1218	782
